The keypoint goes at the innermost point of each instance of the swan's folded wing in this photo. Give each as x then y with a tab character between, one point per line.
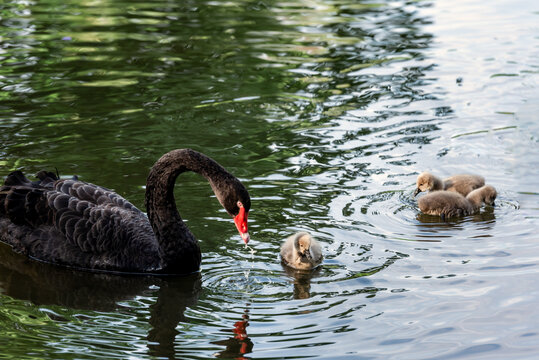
73	187
94	194
77	215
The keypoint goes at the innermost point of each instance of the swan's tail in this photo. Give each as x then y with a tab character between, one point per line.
45	179
17	178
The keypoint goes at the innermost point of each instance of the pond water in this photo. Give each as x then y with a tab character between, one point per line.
327	111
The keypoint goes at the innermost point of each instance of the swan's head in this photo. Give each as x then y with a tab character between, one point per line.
425	181
241	221
235	198
239	209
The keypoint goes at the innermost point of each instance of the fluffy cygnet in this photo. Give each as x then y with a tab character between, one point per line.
301	251
452	204
485	194
462	184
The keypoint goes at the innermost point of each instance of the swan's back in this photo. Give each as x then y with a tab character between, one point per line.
73	223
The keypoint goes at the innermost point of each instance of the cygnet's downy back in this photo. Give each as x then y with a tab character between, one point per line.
462	183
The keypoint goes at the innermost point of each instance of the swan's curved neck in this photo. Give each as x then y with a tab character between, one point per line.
179	249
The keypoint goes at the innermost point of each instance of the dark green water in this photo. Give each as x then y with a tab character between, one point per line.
327	111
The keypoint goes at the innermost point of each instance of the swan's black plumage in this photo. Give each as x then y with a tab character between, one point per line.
74	223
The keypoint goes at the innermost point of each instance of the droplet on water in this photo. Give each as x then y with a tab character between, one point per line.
253	251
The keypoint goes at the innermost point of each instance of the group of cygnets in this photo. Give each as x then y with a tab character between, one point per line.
458	195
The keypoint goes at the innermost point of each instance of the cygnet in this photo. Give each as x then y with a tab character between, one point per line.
301	251
449	204
462	184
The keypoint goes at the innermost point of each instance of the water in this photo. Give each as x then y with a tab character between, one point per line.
327	111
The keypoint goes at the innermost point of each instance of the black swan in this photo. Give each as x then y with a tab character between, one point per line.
452	204
301	251
462	184
77	224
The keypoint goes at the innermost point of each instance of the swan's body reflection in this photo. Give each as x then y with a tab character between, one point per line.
45	284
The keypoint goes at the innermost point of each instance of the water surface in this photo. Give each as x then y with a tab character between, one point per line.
327	111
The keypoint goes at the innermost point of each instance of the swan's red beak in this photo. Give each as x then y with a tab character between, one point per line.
241	223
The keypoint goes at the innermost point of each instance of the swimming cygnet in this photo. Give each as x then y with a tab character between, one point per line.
462	184
301	251
451	204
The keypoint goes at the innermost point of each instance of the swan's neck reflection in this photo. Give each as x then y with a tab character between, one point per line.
173	297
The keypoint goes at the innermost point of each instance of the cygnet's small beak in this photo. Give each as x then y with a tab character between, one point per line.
305	254
417	191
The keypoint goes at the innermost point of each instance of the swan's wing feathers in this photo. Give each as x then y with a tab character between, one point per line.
74	223
46	179
94	194
91	218
94	228
13	205
24	205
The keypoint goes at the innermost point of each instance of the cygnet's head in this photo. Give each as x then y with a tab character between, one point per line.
489	194
302	243
485	194
425	182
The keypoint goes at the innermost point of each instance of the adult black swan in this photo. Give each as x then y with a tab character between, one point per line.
73	223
